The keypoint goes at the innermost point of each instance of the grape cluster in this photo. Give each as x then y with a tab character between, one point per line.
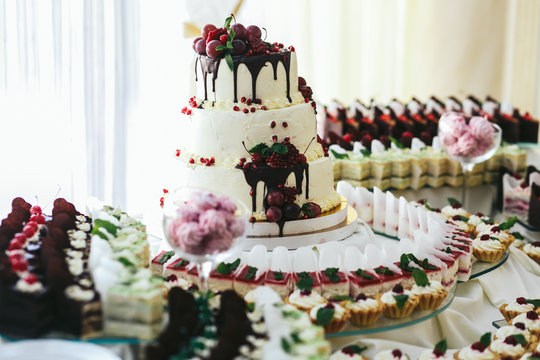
290	193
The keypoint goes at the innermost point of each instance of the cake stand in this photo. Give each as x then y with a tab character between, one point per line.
334	225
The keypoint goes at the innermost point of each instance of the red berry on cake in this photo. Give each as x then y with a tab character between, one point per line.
263	107
406	139
385	140
236	108
240	31
253	31
223	38
206	30
285	124
275	198
366	141
211	48
195	41
35	210
347	137
252	109
252	219
301	82
273	214
291	48
273	124
30	279
311	209
200	47
178	152
192	161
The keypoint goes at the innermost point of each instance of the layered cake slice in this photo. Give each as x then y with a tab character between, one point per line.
253	272
306	273
279	276
158	263
222	277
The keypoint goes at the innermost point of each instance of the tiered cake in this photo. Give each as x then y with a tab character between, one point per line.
250	131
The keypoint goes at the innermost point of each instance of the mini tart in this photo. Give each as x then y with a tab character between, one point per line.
343	355
338	321
531	320
505	331
431	355
532	250
519	306
364	311
431	296
305	299
395	354
487	249
469	353
390	305
506	349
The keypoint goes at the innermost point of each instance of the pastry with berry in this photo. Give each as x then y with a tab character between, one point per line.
365	311
517	329
479	350
488	248
438	352
350	352
511	347
395	354
305	299
398	302
531	319
532	250
431	294
332	316
519	306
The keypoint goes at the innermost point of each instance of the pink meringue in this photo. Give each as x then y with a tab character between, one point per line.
466	140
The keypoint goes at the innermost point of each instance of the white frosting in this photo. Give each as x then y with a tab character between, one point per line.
23	286
470	354
529	249
500	347
434	287
388	297
519	307
75	254
505	331
476	220
387	355
306	301
532	325
80	218
429	355
450	211
362	305
219	134
487	245
339	355
75	292
75	265
339	311
266	86
84	226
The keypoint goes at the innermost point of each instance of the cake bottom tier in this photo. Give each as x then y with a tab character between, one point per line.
231	182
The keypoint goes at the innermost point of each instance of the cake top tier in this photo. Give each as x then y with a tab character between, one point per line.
235	63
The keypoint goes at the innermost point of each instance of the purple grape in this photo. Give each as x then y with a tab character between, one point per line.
200	47
239	47
211	48
275	198
291	211
206	30
273	214
195	41
240	32
253	31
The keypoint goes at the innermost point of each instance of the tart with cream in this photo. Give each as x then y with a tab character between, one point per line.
305	299
478	350
333	317
365	311
513	346
438	352
519	306
532	250
398	302
431	294
488	248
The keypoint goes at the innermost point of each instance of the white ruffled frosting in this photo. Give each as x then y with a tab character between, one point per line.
76	292
339	311
388	297
362	305
505	331
429	355
532	325
306	301
23	286
530	249
470	354
75	266
487	245
434	287
519	307
502	348
387	355
450	211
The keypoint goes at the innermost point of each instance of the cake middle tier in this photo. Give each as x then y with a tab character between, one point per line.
232	182
223	134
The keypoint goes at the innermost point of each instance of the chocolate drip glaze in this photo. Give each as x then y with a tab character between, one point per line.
254	65
272	179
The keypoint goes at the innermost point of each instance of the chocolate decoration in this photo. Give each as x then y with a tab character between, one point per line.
253	63
534	206
272	179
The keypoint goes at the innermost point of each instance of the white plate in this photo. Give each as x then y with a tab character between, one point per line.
54	350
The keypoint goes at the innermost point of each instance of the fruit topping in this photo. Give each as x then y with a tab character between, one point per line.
361	296
478	346
291	211
521	300
311	209
273	214
30	279
211	49
397	353
35	210
485	237
406	139
520	325
329	306
532	315
398	289
275	198
305	292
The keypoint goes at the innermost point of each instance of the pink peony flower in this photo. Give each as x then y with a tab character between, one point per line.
214	220
226	204
204	200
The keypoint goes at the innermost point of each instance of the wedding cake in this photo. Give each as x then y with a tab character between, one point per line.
249	131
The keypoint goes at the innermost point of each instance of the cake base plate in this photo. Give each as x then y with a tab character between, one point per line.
346	225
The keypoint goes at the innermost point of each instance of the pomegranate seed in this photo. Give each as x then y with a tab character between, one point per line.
263	107
273	124
243	99
236	108
252	219
251	192
184	110
223	38
246	111
285	124
178	152
191	161
249	101
306	100
274	137
267	52
313	104
31	279
291	48
202	160
188	112
35	210
243	160
252	109
287	139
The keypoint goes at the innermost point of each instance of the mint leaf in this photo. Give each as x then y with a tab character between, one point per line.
279	148
296	338
384	271
363	274
306	208
181	263
252	270
250	307
229	60
442	346
166	256
453	202
221	47
258	149
518	235
420	277
126	262
404	263
107	225
227	22
325	315
230	39
365	152
338	155
463	218
520	339
508	223
535	302
227	268
278	275
486	339
342	298
426	265
332	274
285	345
355	349
447	250
396	142
401	300
305	283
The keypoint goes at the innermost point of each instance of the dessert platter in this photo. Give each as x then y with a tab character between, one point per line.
261	256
